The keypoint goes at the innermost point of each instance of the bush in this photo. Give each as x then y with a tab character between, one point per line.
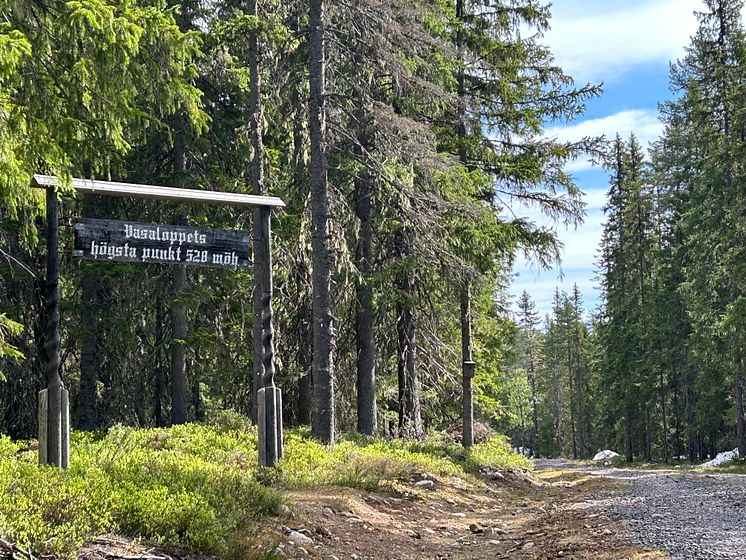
198	486
192	486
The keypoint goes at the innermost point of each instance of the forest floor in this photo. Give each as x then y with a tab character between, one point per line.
194	486
511	514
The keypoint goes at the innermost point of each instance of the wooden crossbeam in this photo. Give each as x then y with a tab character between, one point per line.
110	188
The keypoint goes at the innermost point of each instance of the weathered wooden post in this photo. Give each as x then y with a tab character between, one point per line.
269	397
468	417
54	406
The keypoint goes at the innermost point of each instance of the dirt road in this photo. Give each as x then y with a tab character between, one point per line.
689	515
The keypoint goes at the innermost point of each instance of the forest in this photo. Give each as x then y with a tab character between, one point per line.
406	139
399	134
656	372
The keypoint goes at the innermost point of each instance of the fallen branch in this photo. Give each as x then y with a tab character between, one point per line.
115	556
13	549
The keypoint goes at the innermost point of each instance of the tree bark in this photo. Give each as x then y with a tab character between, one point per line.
410	411
534	405
258	188
179	383
664	439
740	421
467	409
160	382
89	355
628	455
467	361
367	415
322	425
89	315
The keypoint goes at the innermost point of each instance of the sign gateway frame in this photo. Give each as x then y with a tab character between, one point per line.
54	415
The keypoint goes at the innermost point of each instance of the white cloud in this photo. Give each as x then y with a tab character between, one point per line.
578	258
600	41
643	122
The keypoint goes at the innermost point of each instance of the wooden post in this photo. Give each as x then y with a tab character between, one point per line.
54	413
269	398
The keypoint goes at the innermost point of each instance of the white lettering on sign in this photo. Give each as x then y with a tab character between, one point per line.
157	233
157	243
105	251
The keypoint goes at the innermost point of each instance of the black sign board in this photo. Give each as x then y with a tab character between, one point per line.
165	244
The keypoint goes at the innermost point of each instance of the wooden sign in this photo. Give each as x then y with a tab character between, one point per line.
115	240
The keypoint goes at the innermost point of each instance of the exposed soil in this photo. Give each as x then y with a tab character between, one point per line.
513	515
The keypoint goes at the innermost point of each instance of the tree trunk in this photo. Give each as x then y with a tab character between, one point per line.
648	435
305	394
628	454
410	412
89	354
664	439
179	384
322	425
160	383
258	188
89	316
678	449
740	422
534	403
367	416
467	361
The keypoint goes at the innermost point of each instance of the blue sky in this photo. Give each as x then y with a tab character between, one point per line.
626	45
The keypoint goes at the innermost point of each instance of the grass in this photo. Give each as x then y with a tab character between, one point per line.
198	486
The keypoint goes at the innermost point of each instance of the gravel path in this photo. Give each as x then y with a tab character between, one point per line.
691	516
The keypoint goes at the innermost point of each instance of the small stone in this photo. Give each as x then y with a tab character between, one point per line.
561	553
324	532
328	512
528	546
458	514
476	528
424	484
413	534
299	538
493	541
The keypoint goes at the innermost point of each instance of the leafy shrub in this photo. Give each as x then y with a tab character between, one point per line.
192	486
495	453
198	486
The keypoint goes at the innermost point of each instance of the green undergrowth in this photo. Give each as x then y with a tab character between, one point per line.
372	463
198	486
